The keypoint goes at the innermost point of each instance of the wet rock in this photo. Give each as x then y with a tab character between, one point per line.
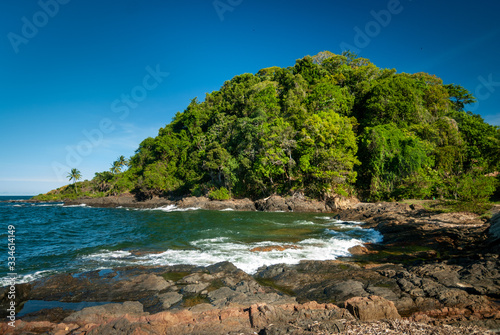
371	308
22	294
168	299
53	315
360	250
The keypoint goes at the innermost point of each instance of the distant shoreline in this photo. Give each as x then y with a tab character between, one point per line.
273	203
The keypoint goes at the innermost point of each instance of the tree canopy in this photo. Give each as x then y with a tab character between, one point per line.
331	124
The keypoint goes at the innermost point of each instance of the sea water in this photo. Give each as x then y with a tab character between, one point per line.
53	238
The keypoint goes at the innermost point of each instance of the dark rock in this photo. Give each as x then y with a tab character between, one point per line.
299	203
21	293
344	290
54	315
273	204
223	267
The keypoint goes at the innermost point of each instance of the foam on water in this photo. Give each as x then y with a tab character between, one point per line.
108	255
304	222
4	281
173	208
213	250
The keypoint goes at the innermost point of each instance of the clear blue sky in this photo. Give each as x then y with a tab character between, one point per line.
85	81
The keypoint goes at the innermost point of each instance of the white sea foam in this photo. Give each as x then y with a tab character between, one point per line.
80	205
4	281
347	225
227	210
173	208
369	235
112	254
212	250
304	222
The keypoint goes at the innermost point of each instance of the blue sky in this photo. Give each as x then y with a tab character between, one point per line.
83	82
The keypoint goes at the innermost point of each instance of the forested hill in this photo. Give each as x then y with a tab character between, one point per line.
330	124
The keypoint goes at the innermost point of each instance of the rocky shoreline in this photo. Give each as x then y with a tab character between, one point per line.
297	203
433	274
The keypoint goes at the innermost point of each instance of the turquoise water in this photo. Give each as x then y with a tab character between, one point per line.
52	238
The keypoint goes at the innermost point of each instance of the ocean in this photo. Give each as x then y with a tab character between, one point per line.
51	238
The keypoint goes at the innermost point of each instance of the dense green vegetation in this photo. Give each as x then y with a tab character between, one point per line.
329	125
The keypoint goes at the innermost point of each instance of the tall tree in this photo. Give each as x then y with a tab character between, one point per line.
74	175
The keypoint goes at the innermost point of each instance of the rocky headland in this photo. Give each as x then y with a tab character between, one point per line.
434	273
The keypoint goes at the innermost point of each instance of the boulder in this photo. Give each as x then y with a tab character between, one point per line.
372	308
273	203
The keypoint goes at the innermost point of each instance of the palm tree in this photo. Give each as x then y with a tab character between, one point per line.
74	175
117	165
122	161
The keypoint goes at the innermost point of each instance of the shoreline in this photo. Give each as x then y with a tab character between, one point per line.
272	203
432	270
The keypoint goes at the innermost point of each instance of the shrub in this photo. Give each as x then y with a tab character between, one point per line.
476	188
219	194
